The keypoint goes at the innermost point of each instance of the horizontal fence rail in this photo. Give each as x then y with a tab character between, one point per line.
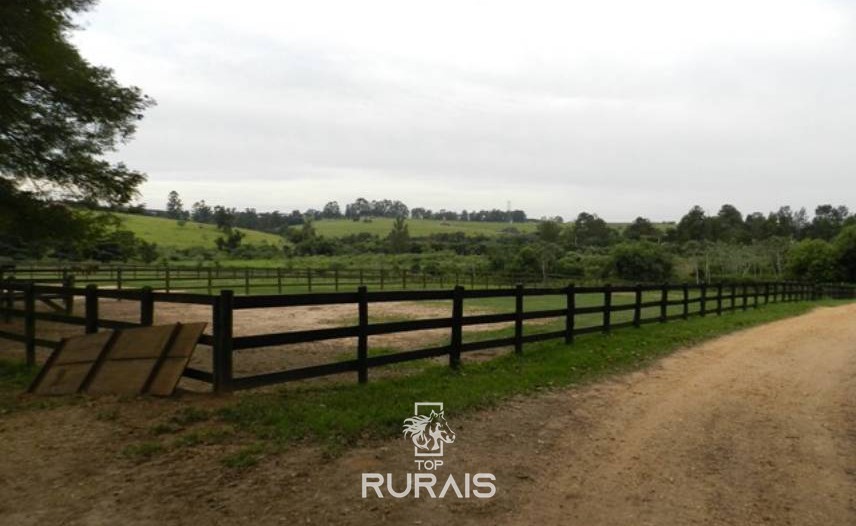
247	280
650	304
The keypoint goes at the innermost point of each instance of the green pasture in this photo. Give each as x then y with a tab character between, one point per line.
173	234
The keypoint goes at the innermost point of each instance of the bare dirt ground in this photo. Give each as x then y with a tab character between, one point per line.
758	427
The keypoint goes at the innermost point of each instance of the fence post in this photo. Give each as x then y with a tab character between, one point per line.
222	355
703	300
457	327
91	303
119	279
68	283
518	318
362	335
766	293
686	289
570	314
637	306
755	295
147	307
30	323
8	301
745	296
719	299
664	303
607	307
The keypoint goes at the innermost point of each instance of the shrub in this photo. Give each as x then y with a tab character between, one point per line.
813	260
845	248
641	261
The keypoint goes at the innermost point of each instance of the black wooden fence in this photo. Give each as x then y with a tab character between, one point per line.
701	300
245	280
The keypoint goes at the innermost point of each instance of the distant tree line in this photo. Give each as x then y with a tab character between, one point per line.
360	210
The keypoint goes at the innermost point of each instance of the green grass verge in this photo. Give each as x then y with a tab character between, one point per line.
336	416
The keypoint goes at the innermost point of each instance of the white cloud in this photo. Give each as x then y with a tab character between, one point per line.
618	107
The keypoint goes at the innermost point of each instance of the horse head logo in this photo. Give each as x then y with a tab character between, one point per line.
428	433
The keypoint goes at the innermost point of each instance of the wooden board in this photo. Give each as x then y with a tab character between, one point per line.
142	360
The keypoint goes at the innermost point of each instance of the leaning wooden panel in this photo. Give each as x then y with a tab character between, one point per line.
130	361
69	365
175	360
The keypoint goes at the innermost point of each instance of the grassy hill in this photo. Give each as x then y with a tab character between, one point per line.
418	227
169	233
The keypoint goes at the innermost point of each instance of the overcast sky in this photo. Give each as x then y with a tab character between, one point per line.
622	108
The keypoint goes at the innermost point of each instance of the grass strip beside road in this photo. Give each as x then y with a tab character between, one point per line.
340	415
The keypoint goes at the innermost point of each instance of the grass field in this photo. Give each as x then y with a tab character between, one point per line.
169	233
418	227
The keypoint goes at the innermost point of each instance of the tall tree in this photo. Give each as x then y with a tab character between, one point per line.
174	206
399	236
59	114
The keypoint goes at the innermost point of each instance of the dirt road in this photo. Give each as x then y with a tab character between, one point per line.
758	427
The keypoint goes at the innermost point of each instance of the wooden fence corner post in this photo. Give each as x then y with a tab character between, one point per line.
637	306
147	307
91	304
222	355
362	335
570	314
518	318
607	308
686	302
664	303
457	327
30	323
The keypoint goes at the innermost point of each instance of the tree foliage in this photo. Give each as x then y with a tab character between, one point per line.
58	113
813	260
641	261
